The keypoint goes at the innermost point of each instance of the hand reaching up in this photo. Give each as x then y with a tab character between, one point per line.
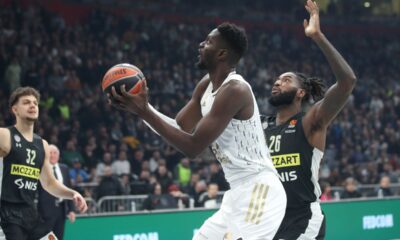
311	27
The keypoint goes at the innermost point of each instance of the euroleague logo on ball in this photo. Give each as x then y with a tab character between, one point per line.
123	74
108	77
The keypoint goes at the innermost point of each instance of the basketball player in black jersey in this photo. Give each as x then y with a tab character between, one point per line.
25	159
297	140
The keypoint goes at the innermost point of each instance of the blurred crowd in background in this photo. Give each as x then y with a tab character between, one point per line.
119	155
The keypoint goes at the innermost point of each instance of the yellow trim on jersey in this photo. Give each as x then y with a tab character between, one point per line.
22	170
257	203
286	160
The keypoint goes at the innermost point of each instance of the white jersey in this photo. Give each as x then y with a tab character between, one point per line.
241	148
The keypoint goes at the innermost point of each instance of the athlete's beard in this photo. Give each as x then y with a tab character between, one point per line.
206	61
201	65
285	98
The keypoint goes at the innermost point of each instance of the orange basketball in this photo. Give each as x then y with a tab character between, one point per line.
121	74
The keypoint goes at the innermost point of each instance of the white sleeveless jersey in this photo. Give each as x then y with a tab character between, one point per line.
241	148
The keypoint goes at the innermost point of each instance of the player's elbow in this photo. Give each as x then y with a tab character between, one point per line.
352	83
183	126
353	80
192	146
347	85
192	153
47	184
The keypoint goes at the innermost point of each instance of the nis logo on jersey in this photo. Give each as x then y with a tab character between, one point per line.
284	161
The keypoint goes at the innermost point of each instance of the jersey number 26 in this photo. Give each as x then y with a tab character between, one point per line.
275	143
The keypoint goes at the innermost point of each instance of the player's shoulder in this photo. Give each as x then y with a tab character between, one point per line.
4	134
236	76
45	143
236	87
4	130
237	81
5	143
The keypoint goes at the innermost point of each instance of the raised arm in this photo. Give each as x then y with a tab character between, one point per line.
54	187
229	101
324	111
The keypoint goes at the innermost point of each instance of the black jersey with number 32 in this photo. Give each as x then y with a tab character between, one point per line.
296	161
21	169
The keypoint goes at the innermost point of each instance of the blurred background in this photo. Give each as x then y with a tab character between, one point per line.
63	48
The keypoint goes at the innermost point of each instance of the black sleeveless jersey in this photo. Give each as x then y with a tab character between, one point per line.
296	161
21	169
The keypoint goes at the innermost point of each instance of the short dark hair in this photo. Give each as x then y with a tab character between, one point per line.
23	91
236	38
313	86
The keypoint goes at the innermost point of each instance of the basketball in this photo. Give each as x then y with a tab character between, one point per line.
123	74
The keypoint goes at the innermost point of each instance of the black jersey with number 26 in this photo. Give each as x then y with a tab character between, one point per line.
21	169
296	161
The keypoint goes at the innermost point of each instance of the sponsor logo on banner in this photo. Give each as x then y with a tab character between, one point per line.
137	236
377	221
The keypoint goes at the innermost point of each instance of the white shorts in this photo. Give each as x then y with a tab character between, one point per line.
253	210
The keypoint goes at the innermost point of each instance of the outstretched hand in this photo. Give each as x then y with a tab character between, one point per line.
311	27
134	103
79	202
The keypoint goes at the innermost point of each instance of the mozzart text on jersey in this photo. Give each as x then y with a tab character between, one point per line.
22	170
287	160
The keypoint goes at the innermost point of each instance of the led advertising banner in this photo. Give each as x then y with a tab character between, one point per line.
372	219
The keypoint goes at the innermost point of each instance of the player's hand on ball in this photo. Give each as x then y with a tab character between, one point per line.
79	202
134	103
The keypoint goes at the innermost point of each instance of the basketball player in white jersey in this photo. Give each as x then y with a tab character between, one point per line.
223	114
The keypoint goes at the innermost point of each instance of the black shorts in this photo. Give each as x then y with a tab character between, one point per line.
308	222
21	222
14	231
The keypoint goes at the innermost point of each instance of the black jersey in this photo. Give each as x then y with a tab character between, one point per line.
296	161
21	169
